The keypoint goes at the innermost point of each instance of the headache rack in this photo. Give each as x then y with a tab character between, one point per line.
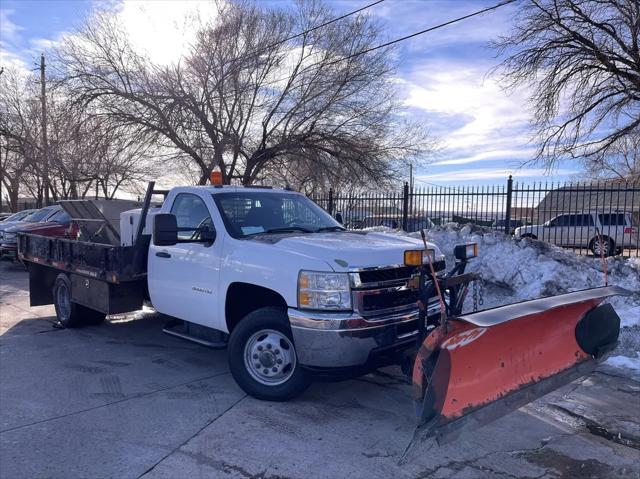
104	276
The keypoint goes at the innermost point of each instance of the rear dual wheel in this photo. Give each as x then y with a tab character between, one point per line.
70	314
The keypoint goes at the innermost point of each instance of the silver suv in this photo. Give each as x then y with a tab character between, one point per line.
582	229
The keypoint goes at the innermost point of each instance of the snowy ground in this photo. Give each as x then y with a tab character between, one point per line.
518	270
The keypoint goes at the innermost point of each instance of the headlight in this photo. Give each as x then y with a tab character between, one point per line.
9	236
324	291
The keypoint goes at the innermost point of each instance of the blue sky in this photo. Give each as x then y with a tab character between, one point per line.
444	75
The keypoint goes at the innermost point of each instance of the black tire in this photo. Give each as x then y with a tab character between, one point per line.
270	324
607	243
70	314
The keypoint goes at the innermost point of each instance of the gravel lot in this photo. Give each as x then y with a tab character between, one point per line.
123	400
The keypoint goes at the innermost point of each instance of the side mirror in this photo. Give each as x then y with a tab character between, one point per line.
165	229
339	218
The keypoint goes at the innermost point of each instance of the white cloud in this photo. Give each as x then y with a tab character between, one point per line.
164	29
416	15
480	174
161	29
489	155
10	35
454	88
9	29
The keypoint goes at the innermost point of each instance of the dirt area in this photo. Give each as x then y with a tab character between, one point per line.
123	400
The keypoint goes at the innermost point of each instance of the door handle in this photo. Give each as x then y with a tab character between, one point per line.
163	254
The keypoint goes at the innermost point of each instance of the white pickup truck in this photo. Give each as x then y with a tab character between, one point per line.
288	290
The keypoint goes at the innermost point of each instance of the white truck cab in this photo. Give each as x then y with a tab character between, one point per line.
293	289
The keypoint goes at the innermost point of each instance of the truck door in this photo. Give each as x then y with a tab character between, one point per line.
183	278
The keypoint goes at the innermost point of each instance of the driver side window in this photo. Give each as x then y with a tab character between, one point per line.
558	221
296	213
191	213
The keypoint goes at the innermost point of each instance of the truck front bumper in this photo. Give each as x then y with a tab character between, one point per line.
340	340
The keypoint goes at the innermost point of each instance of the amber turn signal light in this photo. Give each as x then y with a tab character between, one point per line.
417	257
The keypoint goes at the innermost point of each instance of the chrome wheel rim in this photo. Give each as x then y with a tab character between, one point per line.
64	301
605	248
269	357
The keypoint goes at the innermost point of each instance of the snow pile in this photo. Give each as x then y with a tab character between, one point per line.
625	362
517	270
529	269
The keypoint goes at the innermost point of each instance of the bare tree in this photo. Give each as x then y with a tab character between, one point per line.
581	59
622	161
19	127
249	98
85	149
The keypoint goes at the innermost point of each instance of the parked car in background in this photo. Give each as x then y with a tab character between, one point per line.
583	230
15	217
51	221
417	223
22	217
380	220
500	224
414	223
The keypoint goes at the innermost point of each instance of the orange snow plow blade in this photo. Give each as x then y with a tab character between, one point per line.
475	368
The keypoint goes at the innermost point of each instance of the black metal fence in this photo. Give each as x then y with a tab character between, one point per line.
586	217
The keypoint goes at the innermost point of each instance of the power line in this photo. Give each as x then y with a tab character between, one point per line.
256	52
317	27
426	30
401	39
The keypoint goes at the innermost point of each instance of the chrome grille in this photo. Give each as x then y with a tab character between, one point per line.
397	273
384	291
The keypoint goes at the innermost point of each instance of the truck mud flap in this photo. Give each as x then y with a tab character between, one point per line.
476	368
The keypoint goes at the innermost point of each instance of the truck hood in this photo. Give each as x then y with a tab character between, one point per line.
348	250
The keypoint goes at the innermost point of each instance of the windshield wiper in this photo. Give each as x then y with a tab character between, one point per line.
284	229
330	228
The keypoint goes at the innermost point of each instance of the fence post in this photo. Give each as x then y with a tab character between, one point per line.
330	203
507	213
405	205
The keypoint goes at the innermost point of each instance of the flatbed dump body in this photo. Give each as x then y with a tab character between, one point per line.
114	264
107	278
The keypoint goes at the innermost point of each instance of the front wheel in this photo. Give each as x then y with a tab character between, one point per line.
262	356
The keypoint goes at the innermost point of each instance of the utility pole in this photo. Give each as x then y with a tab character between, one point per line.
1	167
411	175
1	172
411	187
45	143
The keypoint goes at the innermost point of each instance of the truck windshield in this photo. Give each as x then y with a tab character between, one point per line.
254	212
